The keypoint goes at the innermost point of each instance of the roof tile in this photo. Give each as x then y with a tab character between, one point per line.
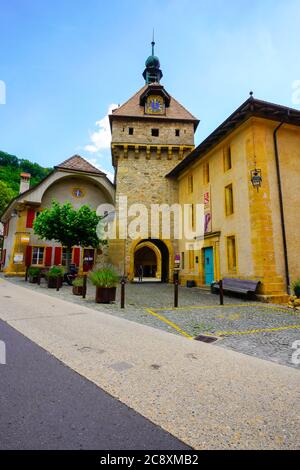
78	163
132	108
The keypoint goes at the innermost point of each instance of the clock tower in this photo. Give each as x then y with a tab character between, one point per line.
151	133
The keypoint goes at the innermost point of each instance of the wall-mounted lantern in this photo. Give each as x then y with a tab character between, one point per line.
256	178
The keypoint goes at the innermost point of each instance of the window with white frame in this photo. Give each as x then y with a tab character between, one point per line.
38	255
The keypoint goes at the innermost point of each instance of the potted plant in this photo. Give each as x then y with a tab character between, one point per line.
33	274
53	274
105	280
296	288
77	286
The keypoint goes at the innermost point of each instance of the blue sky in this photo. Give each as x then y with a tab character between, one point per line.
65	62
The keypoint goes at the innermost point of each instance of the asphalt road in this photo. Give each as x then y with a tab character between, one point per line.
46	405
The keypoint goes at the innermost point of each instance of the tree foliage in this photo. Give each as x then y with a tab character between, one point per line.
68	226
6	195
11	167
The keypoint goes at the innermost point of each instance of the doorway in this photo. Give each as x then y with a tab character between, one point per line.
153	256
145	258
209	265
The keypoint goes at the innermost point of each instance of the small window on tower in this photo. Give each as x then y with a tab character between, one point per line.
130	131
155	132
177	132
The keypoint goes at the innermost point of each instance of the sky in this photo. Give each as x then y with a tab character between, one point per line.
64	64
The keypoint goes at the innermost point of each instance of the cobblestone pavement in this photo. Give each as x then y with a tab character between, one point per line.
261	330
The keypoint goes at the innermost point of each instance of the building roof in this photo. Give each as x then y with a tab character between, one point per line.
77	163
132	108
250	108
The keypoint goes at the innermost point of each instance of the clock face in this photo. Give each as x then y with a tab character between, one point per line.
155	105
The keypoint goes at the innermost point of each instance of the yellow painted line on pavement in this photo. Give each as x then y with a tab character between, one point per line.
212	307
259	330
202	307
168	322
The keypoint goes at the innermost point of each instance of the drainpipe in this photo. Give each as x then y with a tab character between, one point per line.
285	251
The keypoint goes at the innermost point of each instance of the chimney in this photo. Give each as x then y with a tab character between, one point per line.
24	182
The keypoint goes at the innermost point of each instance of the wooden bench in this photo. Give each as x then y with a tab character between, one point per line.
237	286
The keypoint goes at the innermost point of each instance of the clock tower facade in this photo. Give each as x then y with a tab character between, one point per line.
151	134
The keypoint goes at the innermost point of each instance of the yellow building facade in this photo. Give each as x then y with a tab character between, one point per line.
251	229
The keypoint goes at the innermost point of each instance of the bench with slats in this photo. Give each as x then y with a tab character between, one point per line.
238	286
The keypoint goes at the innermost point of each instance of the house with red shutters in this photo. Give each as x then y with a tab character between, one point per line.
75	181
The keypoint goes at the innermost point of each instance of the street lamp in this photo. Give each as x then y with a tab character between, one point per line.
256	178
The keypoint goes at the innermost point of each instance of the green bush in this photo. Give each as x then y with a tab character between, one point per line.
78	282
33	272
104	277
296	288
56	271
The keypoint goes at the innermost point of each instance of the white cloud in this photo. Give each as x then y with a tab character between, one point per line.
101	138
94	161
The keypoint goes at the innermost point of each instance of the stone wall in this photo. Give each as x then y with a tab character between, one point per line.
141	169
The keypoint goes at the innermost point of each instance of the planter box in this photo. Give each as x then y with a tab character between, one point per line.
33	279
77	290
105	295
52	282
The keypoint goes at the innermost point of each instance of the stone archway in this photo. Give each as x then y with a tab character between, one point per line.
148	255
164	254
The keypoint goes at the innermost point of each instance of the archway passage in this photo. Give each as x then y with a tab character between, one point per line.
146	258
153	256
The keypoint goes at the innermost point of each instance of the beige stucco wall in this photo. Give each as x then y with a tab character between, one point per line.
62	191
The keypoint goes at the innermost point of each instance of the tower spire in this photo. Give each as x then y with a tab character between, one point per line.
153	43
152	72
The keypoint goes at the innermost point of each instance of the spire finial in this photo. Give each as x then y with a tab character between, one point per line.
153	42
152	72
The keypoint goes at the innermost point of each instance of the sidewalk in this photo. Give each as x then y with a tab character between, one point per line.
208	397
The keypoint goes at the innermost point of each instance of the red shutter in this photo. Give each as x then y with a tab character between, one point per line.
6	229
28	256
48	256
3	257
57	255
30	218
76	256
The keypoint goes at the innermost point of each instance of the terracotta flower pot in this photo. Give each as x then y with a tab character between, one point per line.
77	290
105	295
52	282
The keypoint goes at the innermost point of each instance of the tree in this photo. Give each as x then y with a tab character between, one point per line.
68	226
6	195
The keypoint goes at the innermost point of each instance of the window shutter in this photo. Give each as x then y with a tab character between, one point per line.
28	256
76	256
30	218
48	256
57	255
6	229
3	257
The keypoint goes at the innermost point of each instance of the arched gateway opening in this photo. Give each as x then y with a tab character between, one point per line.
153	257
